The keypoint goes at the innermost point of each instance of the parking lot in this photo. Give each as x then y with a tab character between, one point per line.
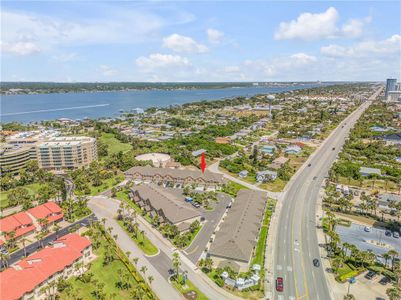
356	235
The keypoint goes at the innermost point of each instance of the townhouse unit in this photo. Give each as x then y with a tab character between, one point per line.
168	204
235	239
175	177
26	279
16	226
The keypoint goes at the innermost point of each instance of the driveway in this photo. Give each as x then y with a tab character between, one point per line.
212	218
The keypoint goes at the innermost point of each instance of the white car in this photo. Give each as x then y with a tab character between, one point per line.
367	229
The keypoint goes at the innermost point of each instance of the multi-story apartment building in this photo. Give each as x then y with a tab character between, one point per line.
52	152
61	153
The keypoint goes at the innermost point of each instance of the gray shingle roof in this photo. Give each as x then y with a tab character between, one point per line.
238	233
174	208
177	174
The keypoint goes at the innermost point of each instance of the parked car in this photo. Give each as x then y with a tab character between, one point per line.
367	229
279	284
334	148
197	205
388	233
316	262
396	234
370	275
384	280
309	165
3	250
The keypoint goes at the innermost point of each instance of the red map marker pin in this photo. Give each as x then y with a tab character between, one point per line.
203	162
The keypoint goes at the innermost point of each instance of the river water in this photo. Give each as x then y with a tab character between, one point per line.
40	107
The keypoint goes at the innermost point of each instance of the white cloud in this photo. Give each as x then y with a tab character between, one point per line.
302	58
309	26
368	49
20	48
180	43
314	26
157	60
354	27
214	36
107	70
232	69
120	26
66	57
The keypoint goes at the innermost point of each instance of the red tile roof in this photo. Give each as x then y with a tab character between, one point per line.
36	268
20	222
49	210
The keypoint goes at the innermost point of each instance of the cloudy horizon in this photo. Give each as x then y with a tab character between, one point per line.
200	42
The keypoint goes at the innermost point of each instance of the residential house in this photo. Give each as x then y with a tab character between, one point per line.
49	211
266	175
17	226
293	149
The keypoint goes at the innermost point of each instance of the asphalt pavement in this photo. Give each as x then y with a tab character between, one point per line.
296	243
36	246
212	218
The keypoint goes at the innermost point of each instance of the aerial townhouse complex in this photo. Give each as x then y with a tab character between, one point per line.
52	152
26	279
167	204
236	238
175	177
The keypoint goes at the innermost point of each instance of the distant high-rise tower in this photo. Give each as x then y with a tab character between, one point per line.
390	86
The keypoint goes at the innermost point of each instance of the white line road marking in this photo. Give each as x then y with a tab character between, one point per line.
291	298
280	297
279	267
289	268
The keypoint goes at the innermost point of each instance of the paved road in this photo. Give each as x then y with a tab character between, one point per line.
296	242
215	169
18	255
105	207
212	218
157	265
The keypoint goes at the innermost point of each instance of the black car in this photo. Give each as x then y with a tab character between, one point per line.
309	165
334	148
384	280
388	233
370	275
316	263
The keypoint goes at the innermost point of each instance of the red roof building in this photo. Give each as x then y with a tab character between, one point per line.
20	223
49	210
29	274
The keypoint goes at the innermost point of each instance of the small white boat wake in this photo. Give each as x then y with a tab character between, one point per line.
54	109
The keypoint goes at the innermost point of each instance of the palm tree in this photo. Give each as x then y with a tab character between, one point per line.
393	254
176	263
143	270
56	229
23	241
150	278
394	293
135	260
386	257
4	259
337	262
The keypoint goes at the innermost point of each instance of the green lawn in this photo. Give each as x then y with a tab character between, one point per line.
115	145
189	286
260	248
232	188
142	241
32	189
107	184
108	275
274	186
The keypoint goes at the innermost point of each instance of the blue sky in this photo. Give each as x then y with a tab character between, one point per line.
200	41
